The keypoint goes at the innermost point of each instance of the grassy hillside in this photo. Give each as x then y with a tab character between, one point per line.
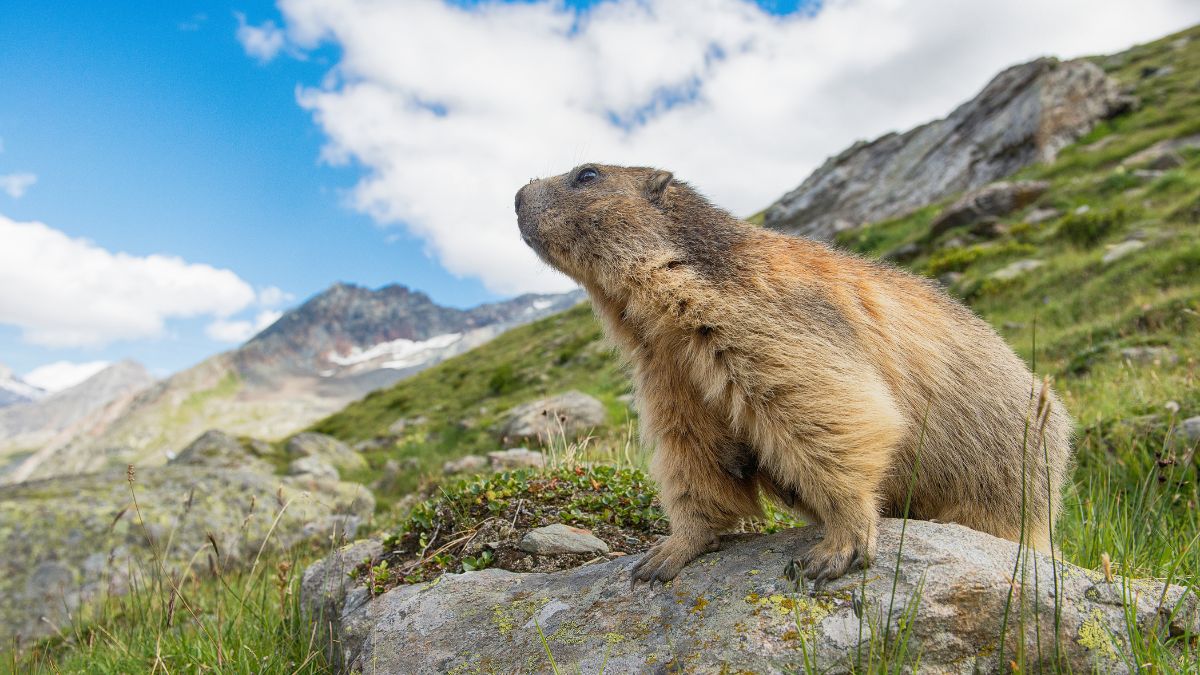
1121	338
454	408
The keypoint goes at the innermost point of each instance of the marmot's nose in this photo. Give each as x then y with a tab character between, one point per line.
520	194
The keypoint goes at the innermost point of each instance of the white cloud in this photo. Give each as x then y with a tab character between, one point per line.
240	330
450	110
61	375
262	42
16	184
273	296
63	291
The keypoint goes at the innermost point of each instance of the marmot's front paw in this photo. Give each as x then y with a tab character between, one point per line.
667	557
830	559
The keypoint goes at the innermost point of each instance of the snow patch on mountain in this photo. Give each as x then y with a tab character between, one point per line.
396	354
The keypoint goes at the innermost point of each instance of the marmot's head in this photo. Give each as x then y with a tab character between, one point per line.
597	223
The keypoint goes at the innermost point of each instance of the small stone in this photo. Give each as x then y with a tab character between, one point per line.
1166	161
1156	71
1189	430
399	426
903	253
466	464
989	229
1117	251
516	458
949	279
1042	215
570	414
1013	325
1143	355
1016	269
313	467
1080	210
559	538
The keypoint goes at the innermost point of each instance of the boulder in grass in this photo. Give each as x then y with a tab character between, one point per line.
734	611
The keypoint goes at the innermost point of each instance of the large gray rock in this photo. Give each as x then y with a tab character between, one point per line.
67	540
516	458
327	449
1025	115
217	449
733	611
990	201
1163	155
571	414
1189	430
465	464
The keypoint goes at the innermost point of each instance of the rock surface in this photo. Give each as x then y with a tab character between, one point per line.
1026	114
558	538
217	449
1189	430
516	458
1117	251
990	201
68	540
465	464
572	413
1145	355
327	449
1163	154
1016	269
732	611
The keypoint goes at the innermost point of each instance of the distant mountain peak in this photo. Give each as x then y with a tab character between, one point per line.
14	390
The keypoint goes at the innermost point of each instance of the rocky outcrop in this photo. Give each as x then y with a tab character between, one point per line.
1164	155
217	449
734	611
325	449
988	202
1027	114
569	414
67	541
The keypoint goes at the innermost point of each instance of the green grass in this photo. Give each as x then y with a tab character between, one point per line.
199	619
455	407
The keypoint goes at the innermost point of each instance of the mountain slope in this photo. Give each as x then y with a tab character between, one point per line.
13	390
334	348
1026	114
53	420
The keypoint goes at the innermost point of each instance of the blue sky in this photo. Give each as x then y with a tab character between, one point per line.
152	131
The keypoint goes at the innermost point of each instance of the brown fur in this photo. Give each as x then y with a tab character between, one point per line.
767	363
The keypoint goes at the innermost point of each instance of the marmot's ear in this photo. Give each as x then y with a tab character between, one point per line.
657	184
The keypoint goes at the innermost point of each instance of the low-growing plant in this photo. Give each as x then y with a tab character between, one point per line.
1088	228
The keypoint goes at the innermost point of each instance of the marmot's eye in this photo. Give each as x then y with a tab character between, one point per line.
587	175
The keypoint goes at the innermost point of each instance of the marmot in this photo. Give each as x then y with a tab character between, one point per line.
765	362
